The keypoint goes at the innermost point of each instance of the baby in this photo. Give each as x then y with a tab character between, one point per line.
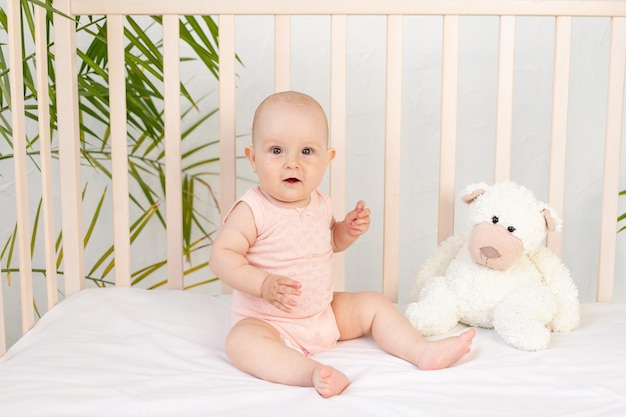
275	250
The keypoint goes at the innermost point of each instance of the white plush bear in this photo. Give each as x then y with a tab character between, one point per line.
501	276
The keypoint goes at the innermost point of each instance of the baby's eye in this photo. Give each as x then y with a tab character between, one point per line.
276	150
495	219
307	151
511	229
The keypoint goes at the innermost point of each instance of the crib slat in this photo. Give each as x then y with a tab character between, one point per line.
393	139
449	103
338	73
43	106
119	153
282	53
69	149
173	162
19	151
560	101
227	111
612	153
228	176
504	110
376	7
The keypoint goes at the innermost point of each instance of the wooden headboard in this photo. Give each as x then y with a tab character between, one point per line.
226	13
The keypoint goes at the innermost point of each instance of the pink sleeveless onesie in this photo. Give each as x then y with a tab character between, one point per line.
295	243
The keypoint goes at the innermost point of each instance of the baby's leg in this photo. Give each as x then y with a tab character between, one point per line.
256	347
371	313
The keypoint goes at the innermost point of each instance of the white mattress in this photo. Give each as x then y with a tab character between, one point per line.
131	352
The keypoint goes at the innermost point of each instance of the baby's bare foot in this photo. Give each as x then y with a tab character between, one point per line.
445	352
328	381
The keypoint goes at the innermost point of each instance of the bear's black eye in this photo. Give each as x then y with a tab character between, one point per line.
495	220
511	229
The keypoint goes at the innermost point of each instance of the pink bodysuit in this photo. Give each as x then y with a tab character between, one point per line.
295	243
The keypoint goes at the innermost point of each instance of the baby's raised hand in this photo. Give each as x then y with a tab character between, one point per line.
358	220
279	292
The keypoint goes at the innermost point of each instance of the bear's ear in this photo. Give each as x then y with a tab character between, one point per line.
553	221
473	191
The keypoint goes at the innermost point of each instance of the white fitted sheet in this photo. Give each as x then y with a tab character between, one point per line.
132	352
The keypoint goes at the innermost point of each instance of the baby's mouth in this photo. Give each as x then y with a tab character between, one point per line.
292	180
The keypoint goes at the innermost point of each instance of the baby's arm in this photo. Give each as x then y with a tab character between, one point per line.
349	229
228	261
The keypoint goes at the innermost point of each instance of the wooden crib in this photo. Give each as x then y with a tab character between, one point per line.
494	374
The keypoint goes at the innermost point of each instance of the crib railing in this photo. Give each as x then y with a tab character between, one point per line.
226	12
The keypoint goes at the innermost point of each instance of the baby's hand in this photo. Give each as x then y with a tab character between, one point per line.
278	291
358	220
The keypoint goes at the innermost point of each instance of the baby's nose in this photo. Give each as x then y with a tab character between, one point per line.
293	161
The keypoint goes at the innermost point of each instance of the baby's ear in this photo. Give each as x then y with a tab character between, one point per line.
473	191
249	152
330	154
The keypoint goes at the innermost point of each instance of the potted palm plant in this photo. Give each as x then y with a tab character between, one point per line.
144	68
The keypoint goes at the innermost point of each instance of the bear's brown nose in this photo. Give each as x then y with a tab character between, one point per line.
490	252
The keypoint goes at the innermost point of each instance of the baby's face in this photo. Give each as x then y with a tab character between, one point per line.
289	152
